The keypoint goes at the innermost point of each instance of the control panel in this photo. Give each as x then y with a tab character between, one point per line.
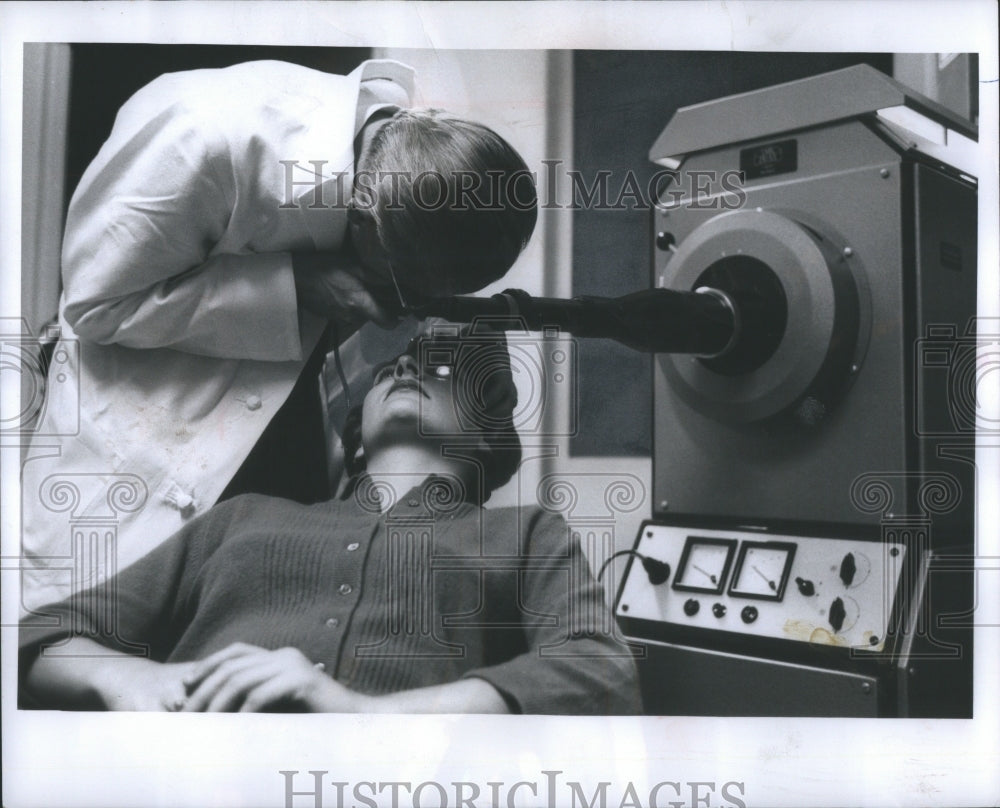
821	591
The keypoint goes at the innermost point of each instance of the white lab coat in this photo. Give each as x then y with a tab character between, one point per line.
181	336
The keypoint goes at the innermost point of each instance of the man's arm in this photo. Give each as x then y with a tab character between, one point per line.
137	264
140	267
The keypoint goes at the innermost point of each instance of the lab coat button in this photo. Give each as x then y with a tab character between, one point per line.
177	497
253	402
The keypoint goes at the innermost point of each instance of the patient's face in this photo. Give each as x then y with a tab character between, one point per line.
405	405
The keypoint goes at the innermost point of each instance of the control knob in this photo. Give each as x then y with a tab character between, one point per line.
837	614
806	587
848	569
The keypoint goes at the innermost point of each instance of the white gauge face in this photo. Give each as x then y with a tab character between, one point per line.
762	570
705	565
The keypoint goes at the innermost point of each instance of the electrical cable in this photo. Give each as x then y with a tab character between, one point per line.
335	338
657	571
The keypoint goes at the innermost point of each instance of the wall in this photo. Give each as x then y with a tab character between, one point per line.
46	112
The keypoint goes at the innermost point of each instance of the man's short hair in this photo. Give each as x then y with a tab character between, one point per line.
451	199
483	393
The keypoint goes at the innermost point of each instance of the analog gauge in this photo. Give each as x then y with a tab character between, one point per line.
704	564
762	570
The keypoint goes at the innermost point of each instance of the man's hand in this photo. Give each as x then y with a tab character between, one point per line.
246	678
328	286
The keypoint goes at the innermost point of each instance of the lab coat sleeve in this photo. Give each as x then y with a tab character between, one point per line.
141	266
576	662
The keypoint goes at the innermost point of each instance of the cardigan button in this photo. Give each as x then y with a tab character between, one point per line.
413	502
346	589
352	546
332	622
253	402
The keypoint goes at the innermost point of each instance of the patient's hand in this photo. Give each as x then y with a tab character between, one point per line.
141	684
87	675
246	678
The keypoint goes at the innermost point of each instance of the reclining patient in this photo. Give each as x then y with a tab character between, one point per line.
401	595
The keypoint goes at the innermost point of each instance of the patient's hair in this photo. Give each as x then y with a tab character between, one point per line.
450	198
483	390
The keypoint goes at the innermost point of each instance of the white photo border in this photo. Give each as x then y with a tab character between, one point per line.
67	759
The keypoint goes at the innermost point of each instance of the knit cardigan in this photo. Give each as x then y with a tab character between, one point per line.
426	592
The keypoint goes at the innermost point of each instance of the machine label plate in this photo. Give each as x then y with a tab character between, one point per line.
770	159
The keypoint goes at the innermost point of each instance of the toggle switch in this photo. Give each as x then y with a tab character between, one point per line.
837	614
718	610
805	587
749	614
848	568
665	240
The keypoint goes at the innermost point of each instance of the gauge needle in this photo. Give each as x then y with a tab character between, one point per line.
770	583
706	574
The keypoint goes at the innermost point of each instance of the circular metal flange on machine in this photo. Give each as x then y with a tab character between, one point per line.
775	270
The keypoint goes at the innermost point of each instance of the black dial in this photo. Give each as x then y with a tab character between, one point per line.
848	569
837	614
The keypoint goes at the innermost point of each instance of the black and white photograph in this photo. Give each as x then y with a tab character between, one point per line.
513	404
